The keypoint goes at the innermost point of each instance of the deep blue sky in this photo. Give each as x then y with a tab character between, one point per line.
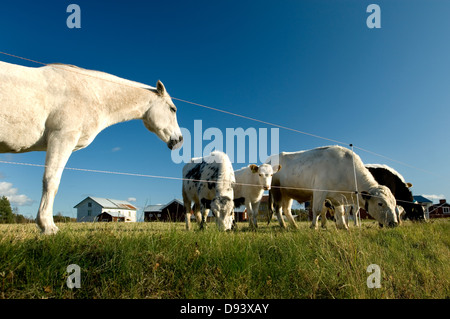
310	65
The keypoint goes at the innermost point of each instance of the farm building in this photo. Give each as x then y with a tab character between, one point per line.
240	214
441	210
104	209
263	211
426	204
172	211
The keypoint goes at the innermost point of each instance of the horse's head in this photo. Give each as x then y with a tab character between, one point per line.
161	118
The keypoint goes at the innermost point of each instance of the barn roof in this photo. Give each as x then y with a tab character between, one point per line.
154	208
161	207
110	203
240	209
421	199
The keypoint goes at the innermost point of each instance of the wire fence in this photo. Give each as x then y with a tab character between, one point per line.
225	112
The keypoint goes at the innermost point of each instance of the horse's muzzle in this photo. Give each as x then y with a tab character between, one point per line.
175	143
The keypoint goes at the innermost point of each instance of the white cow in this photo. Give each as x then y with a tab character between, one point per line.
327	173
251	182
208	182
61	108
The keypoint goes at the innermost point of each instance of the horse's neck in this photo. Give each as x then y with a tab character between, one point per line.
124	103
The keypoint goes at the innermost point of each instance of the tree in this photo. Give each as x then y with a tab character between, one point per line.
6	214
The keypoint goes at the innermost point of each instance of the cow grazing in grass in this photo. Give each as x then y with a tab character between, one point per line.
251	182
61	108
389	177
208	182
328	173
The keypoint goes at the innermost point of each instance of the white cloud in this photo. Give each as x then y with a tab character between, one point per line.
434	197
131	199
116	149
7	189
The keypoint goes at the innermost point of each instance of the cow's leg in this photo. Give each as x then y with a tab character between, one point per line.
198	214
270	208
323	217
187	216
346	211
277	208
355	211
59	149
287	204
339	214
205	212
255	209
317	207
187	210
397	212
249	207
315	219
275	201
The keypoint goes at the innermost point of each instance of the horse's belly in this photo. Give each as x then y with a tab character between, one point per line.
11	145
21	135
6	148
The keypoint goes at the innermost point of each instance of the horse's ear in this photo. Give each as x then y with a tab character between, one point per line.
160	88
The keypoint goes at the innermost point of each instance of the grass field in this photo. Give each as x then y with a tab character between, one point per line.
162	260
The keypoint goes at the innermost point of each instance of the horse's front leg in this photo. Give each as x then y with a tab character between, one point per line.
59	149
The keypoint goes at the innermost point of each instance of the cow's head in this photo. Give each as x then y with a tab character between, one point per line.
380	204
222	207
161	118
265	173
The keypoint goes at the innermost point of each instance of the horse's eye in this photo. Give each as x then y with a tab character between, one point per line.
380	204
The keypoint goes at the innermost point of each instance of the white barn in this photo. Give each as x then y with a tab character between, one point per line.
105	209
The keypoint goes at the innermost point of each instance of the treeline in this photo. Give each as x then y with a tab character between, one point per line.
12	216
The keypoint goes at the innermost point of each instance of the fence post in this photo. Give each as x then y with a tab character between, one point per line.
357	214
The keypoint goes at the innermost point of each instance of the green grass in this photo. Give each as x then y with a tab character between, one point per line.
162	260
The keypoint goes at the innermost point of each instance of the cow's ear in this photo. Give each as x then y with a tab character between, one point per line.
160	88
409	185
365	195
276	168
253	168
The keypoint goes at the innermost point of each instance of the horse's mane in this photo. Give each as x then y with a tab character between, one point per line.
105	75
69	65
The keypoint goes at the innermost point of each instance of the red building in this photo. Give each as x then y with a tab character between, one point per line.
441	210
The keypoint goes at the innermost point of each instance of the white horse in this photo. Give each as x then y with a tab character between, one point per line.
61	108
